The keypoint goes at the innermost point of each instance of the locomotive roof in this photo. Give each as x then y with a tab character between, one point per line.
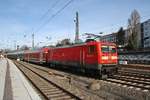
86	43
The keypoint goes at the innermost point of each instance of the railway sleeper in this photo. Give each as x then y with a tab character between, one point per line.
61	96
133	80
46	84
42	85
134	74
51	90
55	92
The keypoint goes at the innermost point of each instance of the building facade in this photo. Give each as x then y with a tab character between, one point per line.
109	38
146	33
143	36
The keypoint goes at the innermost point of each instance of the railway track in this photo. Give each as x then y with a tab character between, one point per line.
80	79
145	75
131	77
125	78
142	71
47	88
81	82
136	66
122	80
137	83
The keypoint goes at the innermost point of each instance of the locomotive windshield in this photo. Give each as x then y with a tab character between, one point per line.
106	49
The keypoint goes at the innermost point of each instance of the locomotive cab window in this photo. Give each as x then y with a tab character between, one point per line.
106	49
112	49
91	49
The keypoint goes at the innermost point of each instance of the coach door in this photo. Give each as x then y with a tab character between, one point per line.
41	57
28	57
82	57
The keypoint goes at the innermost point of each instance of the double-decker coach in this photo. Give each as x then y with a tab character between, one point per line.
36	56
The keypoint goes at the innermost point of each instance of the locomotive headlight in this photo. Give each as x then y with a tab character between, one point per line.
114	57
104	57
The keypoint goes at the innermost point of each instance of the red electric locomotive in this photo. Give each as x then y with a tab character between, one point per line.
95	57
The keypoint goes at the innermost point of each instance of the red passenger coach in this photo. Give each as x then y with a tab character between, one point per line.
95	57
36	56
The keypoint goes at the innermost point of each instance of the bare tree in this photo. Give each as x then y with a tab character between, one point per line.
120	36
64	42
24	47
134	30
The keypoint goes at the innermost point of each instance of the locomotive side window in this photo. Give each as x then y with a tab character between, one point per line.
92	49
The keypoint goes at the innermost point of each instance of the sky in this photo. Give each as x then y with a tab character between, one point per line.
19	19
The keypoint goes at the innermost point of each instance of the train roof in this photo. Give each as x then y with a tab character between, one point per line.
86	43
26	51
16	52
66	46
36	50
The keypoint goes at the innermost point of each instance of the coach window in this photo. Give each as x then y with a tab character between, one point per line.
92	49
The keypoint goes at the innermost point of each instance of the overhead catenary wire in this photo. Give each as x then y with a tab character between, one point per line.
46	13
50	9
51	17
54	15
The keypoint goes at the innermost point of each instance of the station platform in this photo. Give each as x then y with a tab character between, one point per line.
13	84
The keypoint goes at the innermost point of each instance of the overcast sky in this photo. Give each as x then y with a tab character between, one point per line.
20	18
